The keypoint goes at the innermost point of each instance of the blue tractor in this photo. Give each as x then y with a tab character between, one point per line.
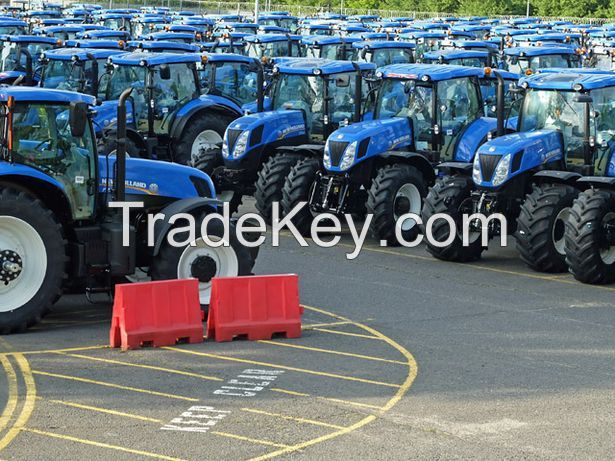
384	52
57	225
310	98
337	48
565	131
21	57
182	103
269	46
423	114
471	58
526	60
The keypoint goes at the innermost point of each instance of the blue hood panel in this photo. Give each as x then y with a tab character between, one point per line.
105	115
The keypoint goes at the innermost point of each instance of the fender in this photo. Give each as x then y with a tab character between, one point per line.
16	169
265	128
527	151
596	181
417	160
563	177
192	206
369	139
205	102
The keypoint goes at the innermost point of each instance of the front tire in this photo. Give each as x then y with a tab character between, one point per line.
32	260
203	262
202	135
451	196
396	190
270	181
541	224
590	256
297	189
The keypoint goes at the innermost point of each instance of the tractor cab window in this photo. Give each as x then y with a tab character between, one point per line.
603	118
272	49
70	75
17	56
409	99
302	92
489	88
12	30
234	80
172	93
520	65
385	56
557	110
602	61
341	93
324	51
42	139
118	24
425	46
469	62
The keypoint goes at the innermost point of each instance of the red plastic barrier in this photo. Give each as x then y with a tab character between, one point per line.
257	307
156	314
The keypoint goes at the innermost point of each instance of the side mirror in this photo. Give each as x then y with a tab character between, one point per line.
342	81
165	72
78	118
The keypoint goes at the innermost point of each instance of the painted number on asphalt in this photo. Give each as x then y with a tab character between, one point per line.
196	419
248	383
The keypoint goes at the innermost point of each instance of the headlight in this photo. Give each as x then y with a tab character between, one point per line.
349	156
225	151
326	160
476	176
501	172
241	144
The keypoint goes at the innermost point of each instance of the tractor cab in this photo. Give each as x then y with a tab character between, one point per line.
470	58
117	21
162	46
75	69
20	57
272	46
383	53
285	21
602	56
526	60
425	42
315	29
59	32
336	48
13	27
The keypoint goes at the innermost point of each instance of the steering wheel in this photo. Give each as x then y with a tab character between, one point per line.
42	143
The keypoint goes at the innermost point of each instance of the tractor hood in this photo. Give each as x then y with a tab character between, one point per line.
355	143
262	129
105	116
150	178
501	159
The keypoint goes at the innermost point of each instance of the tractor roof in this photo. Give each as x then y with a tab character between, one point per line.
473	44
537	50
164	35
327	40
33	94
456	54
108	44
380	44
29	39
433	72
569	81
229	57
154	59
268	38
305	66
81	54
162	45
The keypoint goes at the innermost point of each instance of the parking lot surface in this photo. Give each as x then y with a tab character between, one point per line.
402	357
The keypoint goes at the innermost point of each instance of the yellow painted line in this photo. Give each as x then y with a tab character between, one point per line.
101	445
147	367
54	351
115	386
345	333
103	410
411	376
309	326
330	399
12	396
28	405
283	367
292	418
247	439
329	351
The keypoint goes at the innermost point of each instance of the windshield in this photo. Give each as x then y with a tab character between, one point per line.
42	139
12	30
520	65
602	61
324	51
271	49
470	62
170	94
68	75
555	110
425	46
488	88
14	57
237	81
386	56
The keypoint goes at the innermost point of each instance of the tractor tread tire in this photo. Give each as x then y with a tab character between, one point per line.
297	189
583	237
18	203
381	198
182	152
535	226
270	181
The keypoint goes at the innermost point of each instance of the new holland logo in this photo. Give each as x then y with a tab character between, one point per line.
290	129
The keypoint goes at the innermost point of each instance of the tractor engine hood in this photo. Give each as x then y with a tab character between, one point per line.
256	131
355	143
105	116
150	179
501	159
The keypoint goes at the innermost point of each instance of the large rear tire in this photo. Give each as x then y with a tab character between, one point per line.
396	190
203	262
590	256
541	224
270	182
297	189
202	133
451	196
32	260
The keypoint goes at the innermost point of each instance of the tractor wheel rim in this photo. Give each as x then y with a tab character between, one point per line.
223	257
205	140
407	200
608	253
557	233
21	239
